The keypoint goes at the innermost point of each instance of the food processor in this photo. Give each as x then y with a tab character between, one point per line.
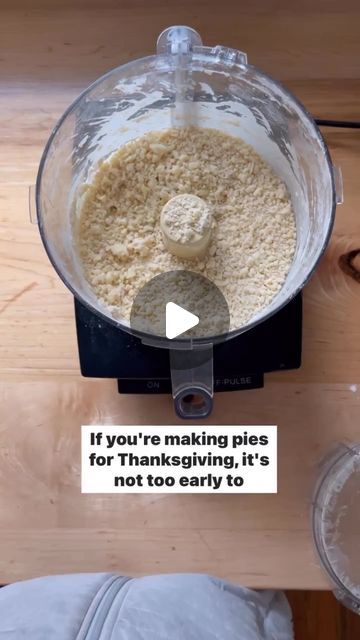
187	84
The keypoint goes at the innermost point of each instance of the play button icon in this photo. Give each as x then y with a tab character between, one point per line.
182	308
178	320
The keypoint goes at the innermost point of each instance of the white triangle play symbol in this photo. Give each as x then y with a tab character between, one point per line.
178	320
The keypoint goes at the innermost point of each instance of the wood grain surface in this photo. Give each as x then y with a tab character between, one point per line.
49	52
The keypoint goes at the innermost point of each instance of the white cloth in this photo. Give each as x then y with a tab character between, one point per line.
163	607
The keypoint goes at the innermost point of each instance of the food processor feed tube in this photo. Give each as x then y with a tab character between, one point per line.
185	84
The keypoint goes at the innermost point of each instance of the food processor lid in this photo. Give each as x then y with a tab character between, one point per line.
336	522
183	40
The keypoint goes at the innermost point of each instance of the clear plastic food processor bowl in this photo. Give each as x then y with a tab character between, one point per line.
336	523
184	84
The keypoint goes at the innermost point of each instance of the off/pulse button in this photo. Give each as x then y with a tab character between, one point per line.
163	385
236	383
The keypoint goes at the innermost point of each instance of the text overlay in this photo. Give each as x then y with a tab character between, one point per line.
179	459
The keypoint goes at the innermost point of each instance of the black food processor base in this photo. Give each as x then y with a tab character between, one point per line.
108	352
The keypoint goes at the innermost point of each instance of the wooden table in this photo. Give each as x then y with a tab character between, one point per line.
49	52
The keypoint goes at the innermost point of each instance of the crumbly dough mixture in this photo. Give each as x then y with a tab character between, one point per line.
253	237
